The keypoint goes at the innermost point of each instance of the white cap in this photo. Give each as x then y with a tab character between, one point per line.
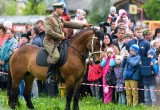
113	9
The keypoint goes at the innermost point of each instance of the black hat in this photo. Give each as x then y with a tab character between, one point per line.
25	35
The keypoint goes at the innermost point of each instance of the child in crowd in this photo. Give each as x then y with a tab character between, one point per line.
123	15
118	70
113	15
107	63
131	74
150	81
80	18
95	77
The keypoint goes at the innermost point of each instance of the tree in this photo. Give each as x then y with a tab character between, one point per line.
11	9
35	7
152	9
8	8
99	11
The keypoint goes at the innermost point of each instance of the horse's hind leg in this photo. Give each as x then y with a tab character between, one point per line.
76	95
69	95
12	87
27	92
13	95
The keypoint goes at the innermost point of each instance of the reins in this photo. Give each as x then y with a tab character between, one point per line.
83	56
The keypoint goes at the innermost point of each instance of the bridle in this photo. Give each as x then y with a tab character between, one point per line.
92	45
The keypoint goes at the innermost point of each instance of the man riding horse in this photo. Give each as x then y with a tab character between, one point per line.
54	35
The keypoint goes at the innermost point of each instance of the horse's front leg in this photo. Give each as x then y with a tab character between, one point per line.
76	95
69	95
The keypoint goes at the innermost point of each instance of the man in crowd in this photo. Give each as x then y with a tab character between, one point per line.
144	46
147	35
131	25
119	42
40	25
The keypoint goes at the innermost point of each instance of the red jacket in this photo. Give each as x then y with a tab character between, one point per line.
95	72
2	39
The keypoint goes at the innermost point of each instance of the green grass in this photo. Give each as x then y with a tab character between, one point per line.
87	103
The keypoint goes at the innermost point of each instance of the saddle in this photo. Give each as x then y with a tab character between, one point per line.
42	56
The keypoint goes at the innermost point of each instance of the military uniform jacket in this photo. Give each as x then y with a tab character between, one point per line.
54	25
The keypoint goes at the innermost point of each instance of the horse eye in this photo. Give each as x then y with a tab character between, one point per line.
97	43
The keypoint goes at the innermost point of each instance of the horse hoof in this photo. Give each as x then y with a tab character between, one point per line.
12	106
30	107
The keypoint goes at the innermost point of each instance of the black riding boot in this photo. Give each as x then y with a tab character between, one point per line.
50	72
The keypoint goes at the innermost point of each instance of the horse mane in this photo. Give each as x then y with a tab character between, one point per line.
82	31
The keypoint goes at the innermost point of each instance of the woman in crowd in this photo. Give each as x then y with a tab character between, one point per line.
108	43
6	51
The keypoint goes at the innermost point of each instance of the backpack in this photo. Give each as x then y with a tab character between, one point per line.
111	79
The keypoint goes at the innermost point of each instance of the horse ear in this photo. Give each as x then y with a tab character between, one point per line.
100	34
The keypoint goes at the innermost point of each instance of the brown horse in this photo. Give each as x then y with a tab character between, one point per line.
23	66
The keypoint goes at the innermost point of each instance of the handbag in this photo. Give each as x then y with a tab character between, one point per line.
111	79
3	75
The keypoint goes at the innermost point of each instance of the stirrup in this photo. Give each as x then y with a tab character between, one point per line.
48	79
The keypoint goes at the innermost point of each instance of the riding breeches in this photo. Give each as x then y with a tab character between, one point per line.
52	51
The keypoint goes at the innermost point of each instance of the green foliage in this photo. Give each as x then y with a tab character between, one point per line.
11	9
56	103
8	8
99	11
152	9
2	6
35	7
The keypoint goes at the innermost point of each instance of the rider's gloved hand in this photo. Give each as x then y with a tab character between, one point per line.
63	38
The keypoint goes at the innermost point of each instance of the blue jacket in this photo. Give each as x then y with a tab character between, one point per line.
144	46
6	50
151	80
131	67
37	41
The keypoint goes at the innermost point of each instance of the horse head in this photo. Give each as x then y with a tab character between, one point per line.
95	46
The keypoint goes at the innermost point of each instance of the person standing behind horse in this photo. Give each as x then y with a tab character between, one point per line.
54	34
40	25
36	40
5	53
41	84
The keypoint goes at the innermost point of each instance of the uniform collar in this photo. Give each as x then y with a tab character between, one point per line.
55	15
